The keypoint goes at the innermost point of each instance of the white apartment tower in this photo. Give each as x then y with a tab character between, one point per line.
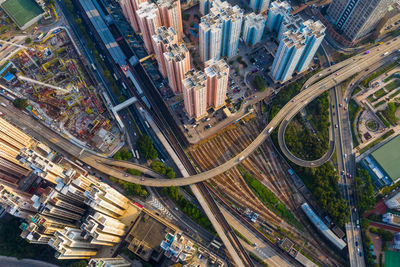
210	37
220	31
287	56
253	28
217	73
195	94
161	40
314	32
177	62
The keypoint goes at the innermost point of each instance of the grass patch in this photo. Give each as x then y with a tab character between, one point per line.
377	73
269	199
393	85
381	92
257	259
356	90
371	98
394	94
239	234
390	113
383	119
380	103
377	141
354	109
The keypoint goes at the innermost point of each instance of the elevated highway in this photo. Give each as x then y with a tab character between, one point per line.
335	75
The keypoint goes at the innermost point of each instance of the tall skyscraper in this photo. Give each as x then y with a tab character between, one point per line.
149	20
129	8
195	94
161	40
177	62
287	56
217	73
314	32
16	202
356	18
259	6
171	15
220	31
276	15
253	28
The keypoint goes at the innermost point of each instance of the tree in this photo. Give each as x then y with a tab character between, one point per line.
21	103
146	147
134	172
28	40
259	83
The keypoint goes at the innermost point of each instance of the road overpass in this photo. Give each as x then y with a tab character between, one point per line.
334	76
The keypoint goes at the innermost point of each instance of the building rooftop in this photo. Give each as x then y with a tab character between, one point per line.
21	11
255	20
293	39
280	6
194	80
217	68
146	236
148	10
388	159
176	52
164	35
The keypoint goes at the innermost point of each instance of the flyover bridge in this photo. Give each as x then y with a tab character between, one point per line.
335	76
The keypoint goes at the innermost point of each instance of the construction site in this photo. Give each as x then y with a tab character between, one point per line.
269	170
50	73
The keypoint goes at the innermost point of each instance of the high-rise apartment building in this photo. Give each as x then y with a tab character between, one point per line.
287	56
149	20
161	40
16	202
259	6
41	166
253	28
195	94
171	15
314	32
231	17
210	37
69	243
217	73
357	18
220	31
109	262
276	15
204	6
129	8
177	62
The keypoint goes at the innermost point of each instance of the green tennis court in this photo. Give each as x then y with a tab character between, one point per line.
21	11
392	258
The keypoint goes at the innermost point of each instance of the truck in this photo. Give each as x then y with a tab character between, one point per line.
385	54
241	158
270	129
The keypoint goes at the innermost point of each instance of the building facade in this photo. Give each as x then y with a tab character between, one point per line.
253	28
276	14
177	62
129	8
149	21
259	6
217	73
357	18
161	40
287	56
195	94
171	15
220	31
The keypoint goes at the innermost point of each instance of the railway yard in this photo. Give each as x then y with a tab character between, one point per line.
271	171
49	73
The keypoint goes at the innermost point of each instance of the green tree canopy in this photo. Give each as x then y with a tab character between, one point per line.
21	103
